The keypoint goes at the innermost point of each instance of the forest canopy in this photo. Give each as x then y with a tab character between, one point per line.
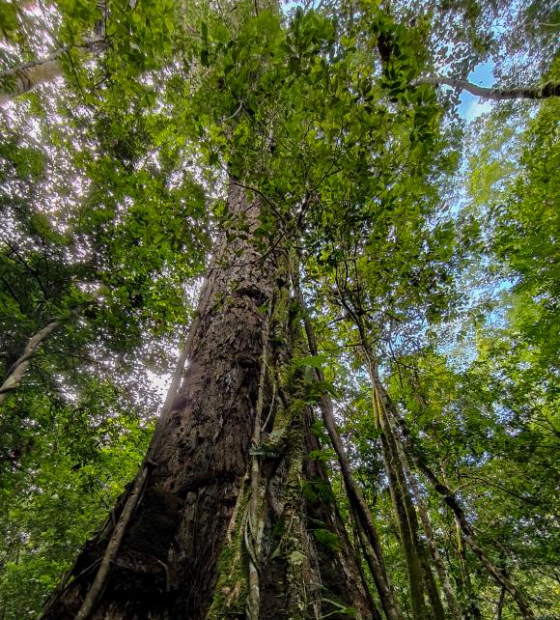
279	309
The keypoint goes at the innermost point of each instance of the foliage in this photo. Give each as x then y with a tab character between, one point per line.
425	249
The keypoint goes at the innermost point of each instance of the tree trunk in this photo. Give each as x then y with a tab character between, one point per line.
188	547
419	570
467	531
374	554
471	605
19	367
437	560
405	527
24	77
414	501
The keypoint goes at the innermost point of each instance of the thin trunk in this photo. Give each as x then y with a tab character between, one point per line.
397	491
451	500
360	538
130	506
438	612
503	592
500	607
471	604
19	367
497	94
26	76
101	577
443	575
416	497
374	558
419	570
254	531
419	573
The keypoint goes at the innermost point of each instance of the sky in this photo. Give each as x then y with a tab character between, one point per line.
471	107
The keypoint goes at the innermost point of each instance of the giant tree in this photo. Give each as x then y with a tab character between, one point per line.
321	147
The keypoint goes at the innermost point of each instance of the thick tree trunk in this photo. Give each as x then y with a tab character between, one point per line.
199	452
188	537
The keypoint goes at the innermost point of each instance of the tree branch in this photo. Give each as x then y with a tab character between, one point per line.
27	75
102	574
16	372
497	94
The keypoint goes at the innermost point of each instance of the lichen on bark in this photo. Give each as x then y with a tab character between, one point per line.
231	589
203	460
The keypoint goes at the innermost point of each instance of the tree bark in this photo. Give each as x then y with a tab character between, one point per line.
184	550
200	449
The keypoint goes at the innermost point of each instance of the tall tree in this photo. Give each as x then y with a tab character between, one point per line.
318	221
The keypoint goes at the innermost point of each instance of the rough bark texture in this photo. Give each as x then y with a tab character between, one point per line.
184	553
200	450
305	564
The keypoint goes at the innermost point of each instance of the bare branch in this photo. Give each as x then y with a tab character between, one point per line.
497	94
